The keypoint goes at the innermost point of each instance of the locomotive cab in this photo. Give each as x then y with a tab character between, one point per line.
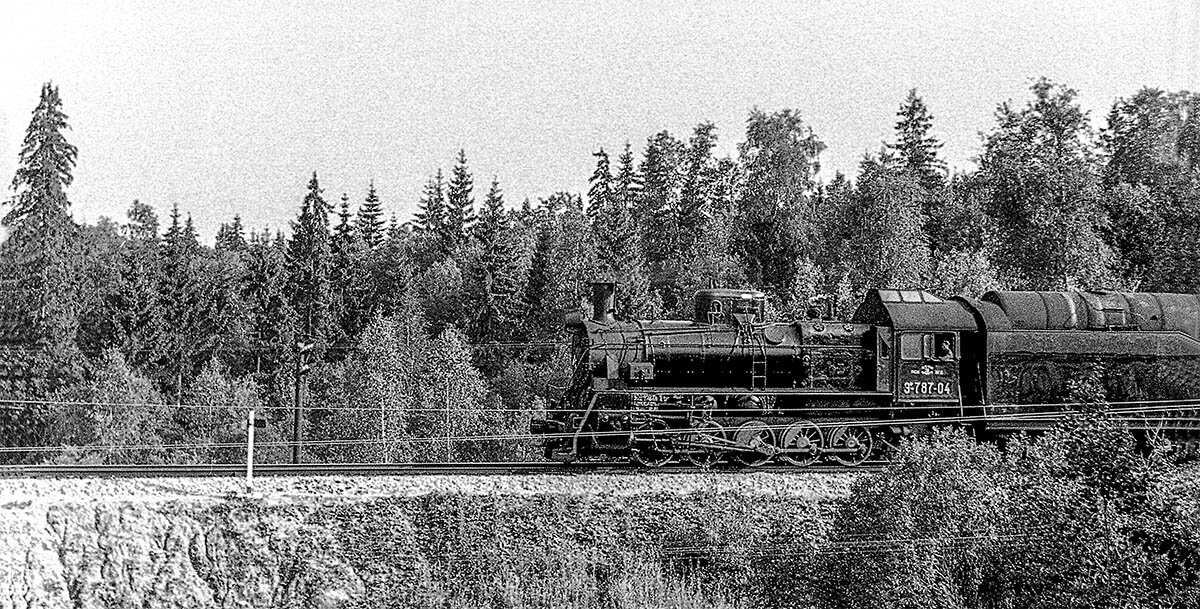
927	367
919	355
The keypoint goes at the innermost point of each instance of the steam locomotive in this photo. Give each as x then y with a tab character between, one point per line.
729	385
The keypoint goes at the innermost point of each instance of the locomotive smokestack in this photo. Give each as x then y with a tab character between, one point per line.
602	302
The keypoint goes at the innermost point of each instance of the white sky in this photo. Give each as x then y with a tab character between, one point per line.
227	107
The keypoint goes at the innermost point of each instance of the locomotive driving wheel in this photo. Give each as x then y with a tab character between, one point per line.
653	445
804	437
706	433
856	440
759	437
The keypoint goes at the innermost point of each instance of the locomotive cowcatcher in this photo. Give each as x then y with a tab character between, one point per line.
729	385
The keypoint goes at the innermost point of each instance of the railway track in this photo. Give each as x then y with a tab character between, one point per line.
396	469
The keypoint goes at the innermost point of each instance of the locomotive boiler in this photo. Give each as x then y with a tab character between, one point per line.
728	385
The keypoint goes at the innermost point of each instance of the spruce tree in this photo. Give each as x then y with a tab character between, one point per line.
916	150
135	310
600	190
657	204
698	185
238	233
190	236
460	206
370	219
618	249
230	236
539	319
627	184
431	222
179	300
39	253
272	319
309	254
494	276
348	267
344	229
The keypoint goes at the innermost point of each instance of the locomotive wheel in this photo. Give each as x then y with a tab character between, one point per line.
803	436
706	432
655	447
853	437
759	437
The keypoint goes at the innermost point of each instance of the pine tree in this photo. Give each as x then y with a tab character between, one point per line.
309	255
39	253
460	206
916	150
370	219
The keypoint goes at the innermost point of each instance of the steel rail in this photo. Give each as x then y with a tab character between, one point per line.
233	470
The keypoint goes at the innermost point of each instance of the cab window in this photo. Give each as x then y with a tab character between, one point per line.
931	346
943	346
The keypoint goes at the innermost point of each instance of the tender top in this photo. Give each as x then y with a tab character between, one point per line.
1100	310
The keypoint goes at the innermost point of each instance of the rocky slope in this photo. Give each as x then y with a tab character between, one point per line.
508	541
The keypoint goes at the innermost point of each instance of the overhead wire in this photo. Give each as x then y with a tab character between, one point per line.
1166	406
646	435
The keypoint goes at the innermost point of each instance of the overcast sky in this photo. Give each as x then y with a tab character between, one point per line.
228	107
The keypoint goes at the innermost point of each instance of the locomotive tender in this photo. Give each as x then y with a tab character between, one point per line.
729	385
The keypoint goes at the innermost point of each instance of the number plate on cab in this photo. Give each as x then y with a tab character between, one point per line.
927	382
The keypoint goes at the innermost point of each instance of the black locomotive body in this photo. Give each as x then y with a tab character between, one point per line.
727	385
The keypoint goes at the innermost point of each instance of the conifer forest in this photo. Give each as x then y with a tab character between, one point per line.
437	337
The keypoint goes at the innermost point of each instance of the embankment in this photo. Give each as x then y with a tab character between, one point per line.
692	540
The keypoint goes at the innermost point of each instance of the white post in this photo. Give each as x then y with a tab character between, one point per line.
250	452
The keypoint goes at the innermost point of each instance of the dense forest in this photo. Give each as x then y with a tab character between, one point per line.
436	338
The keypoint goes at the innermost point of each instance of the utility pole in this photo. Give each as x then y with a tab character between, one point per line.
251	423
302	368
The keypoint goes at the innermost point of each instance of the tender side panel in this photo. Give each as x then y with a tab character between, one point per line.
1034	367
